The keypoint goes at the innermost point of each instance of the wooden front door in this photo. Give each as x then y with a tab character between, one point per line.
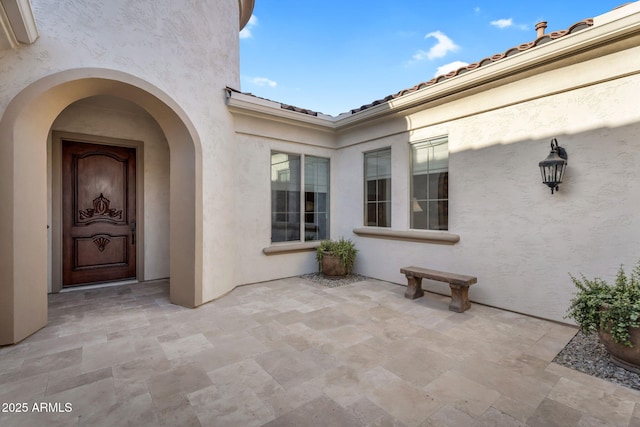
99	212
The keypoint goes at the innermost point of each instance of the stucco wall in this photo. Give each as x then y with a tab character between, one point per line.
254	201
518	239
173	58
123	120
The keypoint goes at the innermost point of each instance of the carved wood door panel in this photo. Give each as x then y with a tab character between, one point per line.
98	211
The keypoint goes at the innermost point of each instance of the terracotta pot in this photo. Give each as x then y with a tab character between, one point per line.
332	267
621	355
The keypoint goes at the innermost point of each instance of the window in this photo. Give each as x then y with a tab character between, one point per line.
429	204
286	198
377	190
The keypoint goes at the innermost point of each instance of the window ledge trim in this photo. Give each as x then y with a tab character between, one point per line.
436	237
291	248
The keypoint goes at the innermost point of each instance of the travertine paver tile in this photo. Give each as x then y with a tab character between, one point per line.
408	403
597	402
177	412
187	346
590	421
462	393
411	365
241	408
52	362
370	414
246	374
165	386
86	399
67	379
102	355
347	335
282	401
342	384
318	412
515	409
284	351
137	411
508	382
448	416
289	367
529	366
554	414
23	389
547	347
495	418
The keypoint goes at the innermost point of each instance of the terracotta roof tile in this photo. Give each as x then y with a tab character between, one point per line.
546	38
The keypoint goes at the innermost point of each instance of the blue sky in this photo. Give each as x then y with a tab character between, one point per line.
334	55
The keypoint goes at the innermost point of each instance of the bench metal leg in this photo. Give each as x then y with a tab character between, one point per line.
459	298
414	290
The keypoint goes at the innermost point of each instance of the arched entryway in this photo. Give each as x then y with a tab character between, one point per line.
25	216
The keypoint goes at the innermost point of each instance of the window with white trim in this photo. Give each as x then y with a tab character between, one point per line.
429	202
295	213
377	188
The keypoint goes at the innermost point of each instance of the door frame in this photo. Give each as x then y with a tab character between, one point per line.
56	198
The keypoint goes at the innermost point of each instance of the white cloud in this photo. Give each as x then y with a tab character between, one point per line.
452	66
507	23
444	46
502	23
262	81
246	31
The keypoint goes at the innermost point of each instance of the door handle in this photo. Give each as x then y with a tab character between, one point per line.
133	231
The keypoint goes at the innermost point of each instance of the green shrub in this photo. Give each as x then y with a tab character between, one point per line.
612	309
343	248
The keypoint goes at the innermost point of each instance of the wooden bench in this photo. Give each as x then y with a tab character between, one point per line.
458	283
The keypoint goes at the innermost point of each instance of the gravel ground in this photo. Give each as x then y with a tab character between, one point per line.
583	353
333	283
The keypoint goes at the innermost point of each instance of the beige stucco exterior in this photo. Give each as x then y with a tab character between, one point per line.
148	53
504	225
154	75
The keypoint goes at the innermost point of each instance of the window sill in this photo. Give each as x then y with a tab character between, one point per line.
286	248
437	237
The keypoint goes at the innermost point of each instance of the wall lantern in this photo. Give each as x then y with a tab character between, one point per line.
552	168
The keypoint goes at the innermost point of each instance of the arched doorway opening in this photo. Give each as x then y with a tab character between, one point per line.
25	188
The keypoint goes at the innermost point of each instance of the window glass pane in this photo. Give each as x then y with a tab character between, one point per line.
384	187
430	185
285	197
371	190
384	214
316	184
377	165
372	214
438	215
421	187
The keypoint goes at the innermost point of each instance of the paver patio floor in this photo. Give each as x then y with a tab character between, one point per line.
294	353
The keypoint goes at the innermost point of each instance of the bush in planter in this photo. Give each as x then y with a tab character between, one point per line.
615	309
343	248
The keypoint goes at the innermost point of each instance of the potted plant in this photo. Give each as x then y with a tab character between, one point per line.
336	257
613	311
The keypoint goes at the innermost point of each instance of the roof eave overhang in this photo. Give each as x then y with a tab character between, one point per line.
17	23
248	105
